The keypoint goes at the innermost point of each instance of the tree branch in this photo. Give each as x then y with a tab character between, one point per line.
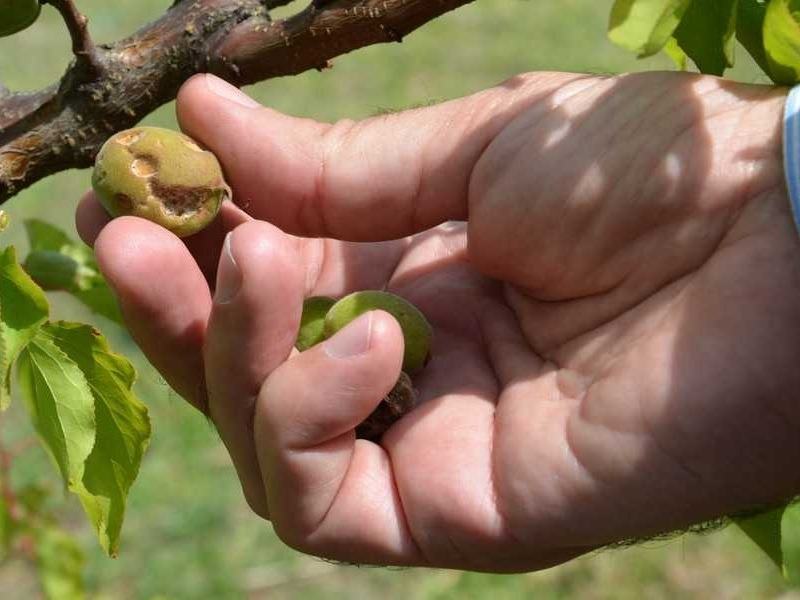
63	126
82	45
254	51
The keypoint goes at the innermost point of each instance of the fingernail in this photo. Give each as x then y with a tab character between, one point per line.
352	340
225	90
229	277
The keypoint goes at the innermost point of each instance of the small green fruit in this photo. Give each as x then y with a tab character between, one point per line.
417	332
160	175
312	323
16	15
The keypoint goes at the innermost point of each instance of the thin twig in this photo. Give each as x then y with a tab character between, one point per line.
82	45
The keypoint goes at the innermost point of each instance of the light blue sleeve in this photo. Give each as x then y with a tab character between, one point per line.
791	151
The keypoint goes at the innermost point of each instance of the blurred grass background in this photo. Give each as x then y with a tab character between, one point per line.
189	534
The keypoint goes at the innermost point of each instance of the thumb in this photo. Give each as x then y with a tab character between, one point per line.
382	178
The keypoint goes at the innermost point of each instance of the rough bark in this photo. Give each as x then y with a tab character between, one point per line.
112	87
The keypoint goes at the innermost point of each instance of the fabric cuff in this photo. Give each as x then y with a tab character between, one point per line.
791	151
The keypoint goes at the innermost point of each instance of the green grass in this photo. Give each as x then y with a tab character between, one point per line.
188	532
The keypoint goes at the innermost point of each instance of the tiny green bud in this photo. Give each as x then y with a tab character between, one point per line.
16	15
160	175
417	332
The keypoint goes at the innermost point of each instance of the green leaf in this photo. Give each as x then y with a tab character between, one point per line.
122	427
782	40
61	405
750	30
23	309
56	262
676	53
706	34
645	26
790	543
43	236
59	561
765	530
56	271
777	533
101	300
80	397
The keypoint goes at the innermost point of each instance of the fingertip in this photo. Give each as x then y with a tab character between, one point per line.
389	345
191	87
262	250
388	331
375	331
206	103
90	218
192	91
192	95
125	242
131	250
258	297
205	87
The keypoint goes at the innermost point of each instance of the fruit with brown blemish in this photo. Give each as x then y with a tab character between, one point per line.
160	175
16	15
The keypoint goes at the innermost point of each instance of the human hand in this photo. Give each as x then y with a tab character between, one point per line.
616	321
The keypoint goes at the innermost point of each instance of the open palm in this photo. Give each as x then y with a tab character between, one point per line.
613	292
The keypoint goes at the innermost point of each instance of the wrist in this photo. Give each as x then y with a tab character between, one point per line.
752	150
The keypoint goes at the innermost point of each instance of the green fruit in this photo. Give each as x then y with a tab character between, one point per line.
160	175
16	15
417	332
312	323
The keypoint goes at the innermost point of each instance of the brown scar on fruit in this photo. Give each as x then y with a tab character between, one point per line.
126	138
124	201
179	200
397	403
145	166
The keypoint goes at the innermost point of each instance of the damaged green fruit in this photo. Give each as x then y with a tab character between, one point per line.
417	332
160	175
16	15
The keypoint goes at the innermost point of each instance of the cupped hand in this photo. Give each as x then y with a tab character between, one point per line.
611	270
